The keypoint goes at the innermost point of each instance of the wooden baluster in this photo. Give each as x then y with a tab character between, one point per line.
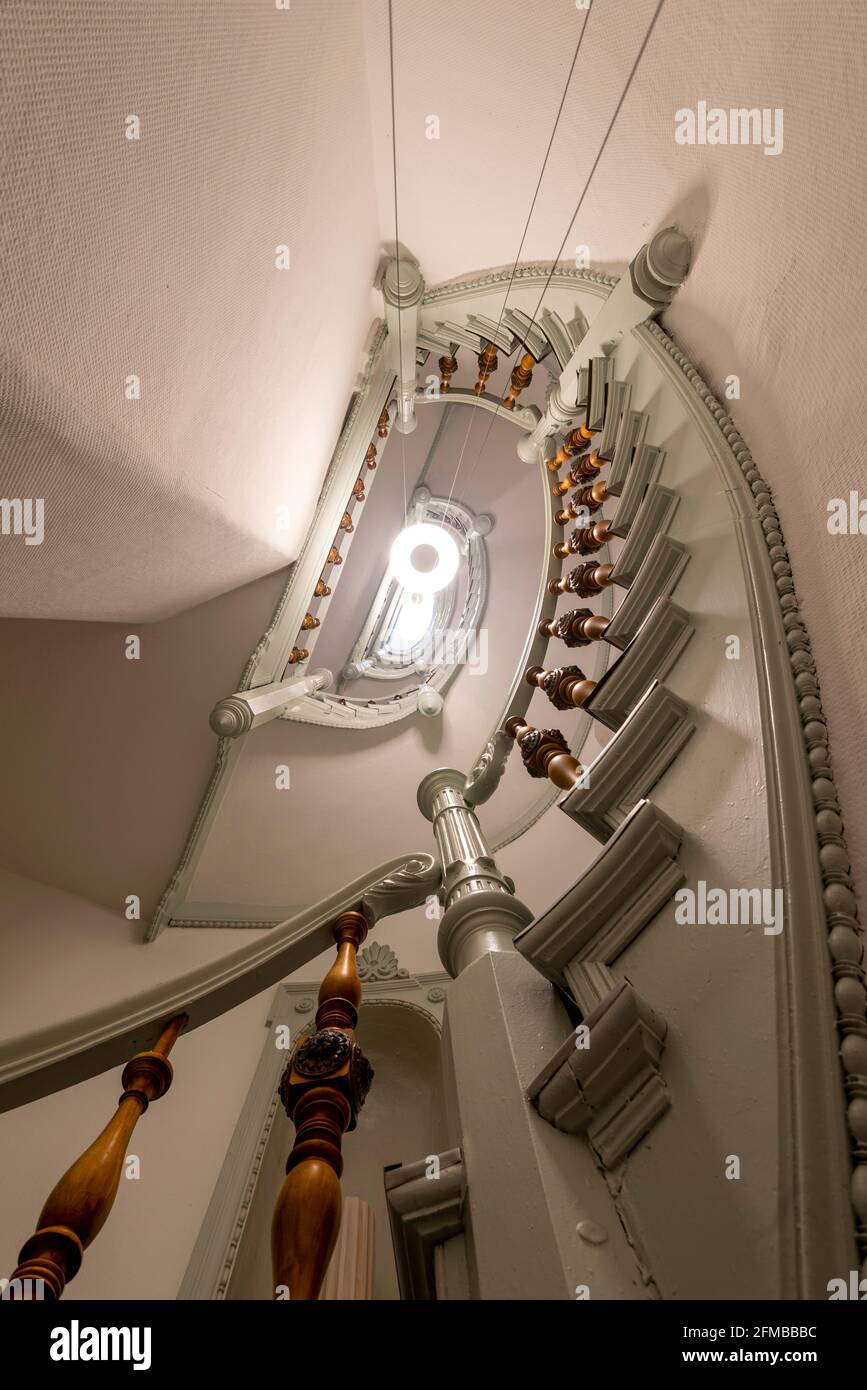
383	423
545	753
370	457
346	523
584	540
322	589
585	581
334	557
577	628
448	366
79	1205
358	490
521	377
567	687
487	365
298	654
323	1088
585	502
575	441
584	468
308	622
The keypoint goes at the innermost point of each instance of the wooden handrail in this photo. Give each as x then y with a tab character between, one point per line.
79	1204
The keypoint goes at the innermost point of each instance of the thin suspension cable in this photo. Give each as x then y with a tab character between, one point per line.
578	205
397	255
517	259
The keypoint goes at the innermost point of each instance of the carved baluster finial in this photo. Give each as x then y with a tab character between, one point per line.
370	457
383	423
584	540
577	628
521	377
584	581
448	366
567	687
79	1205
545	753
487	365
323	1088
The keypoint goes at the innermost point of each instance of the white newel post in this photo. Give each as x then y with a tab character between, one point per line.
236	714
402	290
641	293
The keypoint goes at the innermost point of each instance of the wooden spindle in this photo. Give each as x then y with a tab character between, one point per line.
585	502
584	581
448	366
370	457
584	468
383	423
323	1088
577	628
298	654
545	753
575	441
487	365
79	1205
584	540
567	687
308	622
521	377
334	557
358	490
322	589
346	523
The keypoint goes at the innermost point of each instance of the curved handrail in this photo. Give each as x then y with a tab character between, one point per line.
61	1054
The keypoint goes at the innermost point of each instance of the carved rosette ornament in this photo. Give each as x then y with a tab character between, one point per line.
585	581
544	752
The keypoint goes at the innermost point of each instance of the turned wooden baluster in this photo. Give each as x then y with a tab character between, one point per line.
545	752
334	557
584	540
78	1207
521	377
585	501
370	457
322	589
586	467
575	441
383	423
323	1088
487	365
298	654
346	523
567	687
578	628
448	366
358	490
584	581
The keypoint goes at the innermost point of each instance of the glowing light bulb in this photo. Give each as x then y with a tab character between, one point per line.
424	558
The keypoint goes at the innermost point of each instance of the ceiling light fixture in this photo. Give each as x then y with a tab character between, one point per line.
424	558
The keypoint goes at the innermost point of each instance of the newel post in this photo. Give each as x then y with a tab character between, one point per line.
78	1207
323	1088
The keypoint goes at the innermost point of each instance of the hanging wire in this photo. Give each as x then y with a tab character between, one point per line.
396	252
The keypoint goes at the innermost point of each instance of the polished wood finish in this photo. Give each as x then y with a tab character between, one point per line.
567	687
584	540
334	557
577	628
308	622
584	581
383	424
323	1088
358	490
584	502
584	468
322	589
575	441
448	366
346	523
521	377
79	1205
545	753
298	654
370	457
487	365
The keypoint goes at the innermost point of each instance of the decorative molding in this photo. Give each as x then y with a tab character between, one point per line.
630	764
809	859
654	515
645	468
648	658
630	437
563	274
423	1213
617	405
379	962
610	1089
630	880
657	576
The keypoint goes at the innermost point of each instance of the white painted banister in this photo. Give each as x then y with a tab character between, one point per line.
236	714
